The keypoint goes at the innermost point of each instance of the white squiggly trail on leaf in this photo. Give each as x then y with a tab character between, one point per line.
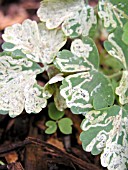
82	57
36	41
109	129
116	50
54	12
111	14
82	20
123	88
18	86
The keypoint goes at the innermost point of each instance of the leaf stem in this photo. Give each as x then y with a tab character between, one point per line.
115	75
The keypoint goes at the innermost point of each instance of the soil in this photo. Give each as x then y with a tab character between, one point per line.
23	142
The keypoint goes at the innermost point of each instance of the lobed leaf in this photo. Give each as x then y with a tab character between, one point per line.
52	127
36	41
116	47
83	23
109	134
82	57
54	113
113	13
87	90
54	12
19	87
65	125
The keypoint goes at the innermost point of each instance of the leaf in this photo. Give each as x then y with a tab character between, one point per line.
83	57
54	113
116	47
122	89
54	12
19	87
36	41
65	125
52	127
125	34
83	23
106	131
87	90
113	13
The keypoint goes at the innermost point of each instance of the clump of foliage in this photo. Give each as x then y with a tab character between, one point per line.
76	80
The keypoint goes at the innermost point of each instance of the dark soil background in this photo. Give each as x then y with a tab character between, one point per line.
23	142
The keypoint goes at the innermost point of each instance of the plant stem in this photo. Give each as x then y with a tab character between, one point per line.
115	75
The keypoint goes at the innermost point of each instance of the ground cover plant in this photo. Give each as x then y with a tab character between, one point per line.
63	45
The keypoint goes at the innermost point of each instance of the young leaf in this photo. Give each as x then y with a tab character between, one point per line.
116	47
54	113
83	23
65	125
83	56
114	13
106	131
38	43
54	12
87	90
19	87
52	127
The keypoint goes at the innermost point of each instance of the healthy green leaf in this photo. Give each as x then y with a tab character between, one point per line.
19	87
114	13
54	113
83	56
87	90
36	41
106	131
125	34
65	125
52	127
83	23
116	47
54	12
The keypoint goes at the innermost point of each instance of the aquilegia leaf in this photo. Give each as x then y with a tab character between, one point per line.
35	40
18	86
106	131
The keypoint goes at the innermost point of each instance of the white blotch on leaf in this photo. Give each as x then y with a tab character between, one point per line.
36	41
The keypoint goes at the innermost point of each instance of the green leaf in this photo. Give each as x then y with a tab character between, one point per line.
59	11
106	131
54	113
116	47
83	56
35	40
114	13
87	90
7	45
65	125
18	86
125	34
83	23
52	127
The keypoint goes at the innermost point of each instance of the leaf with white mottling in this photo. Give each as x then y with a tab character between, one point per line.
82	23
36	41
87	90
18	86
113	12
82	57
54	12
116	47
122	90
106	131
